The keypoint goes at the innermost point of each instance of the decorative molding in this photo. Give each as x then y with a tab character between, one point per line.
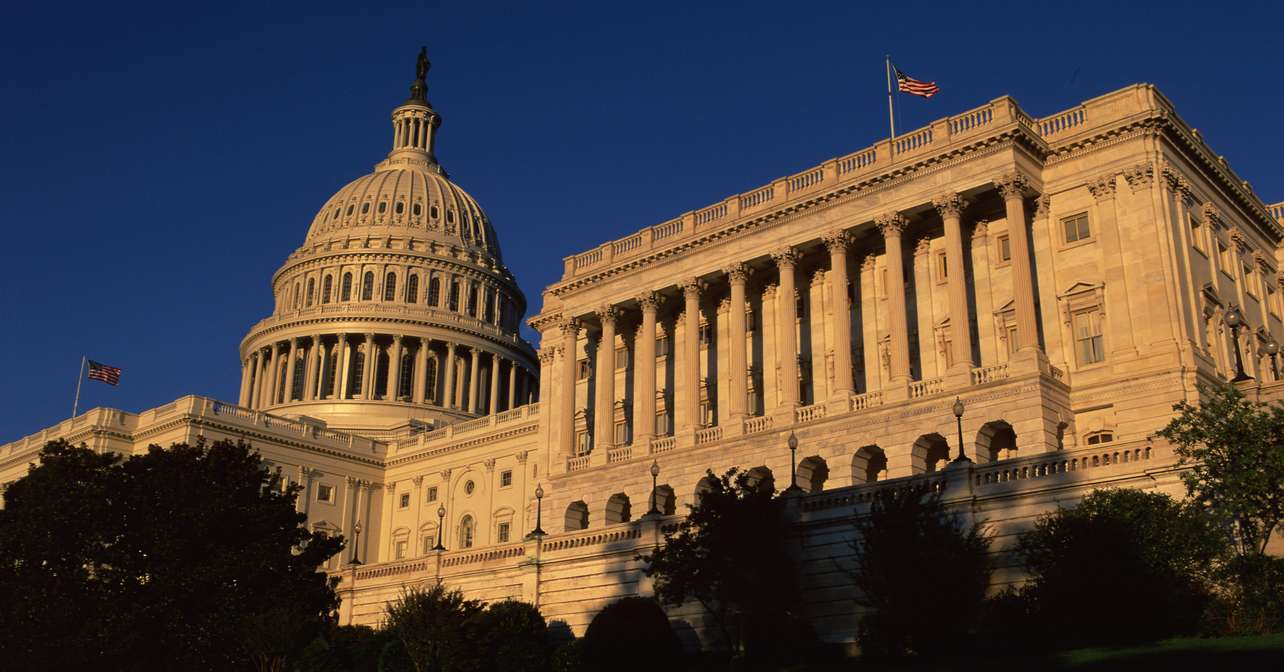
1042	206
1103	187
607	313
868	263
980	229
1140	176
923	246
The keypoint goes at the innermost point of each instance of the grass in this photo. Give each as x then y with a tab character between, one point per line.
1225	653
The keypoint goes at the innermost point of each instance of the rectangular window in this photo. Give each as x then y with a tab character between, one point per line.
325	493
1087	338
942	267
1196	232
401	549
582	443
661	424
706	413
1076	227
706	333
662	347
751	320
432	494
1005	247
621	358
582	369
1270	299
1250	285
1012	339
502	531
505	478
404	500
621	433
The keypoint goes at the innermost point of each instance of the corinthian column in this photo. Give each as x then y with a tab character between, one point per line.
288	395
1013	187
836	242
950	207
310	371
570	336
644	371
738	275
604	388
689	406
1116	294
367	368
448	397
392	389
892	225
247	377
474	388
787	325
273	382
493	406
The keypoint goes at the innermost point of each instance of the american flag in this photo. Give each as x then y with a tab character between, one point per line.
107	374
907	84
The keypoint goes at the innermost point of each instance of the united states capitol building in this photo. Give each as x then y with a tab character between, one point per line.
1067	278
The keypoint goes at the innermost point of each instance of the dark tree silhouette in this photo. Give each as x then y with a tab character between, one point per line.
630	634
188	557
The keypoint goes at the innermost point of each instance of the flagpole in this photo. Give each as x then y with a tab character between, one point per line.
891	116
75	405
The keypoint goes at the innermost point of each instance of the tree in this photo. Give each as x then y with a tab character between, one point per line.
729	556
429	623
1121	565
176	558
631	633
507	636
913	560
1233	451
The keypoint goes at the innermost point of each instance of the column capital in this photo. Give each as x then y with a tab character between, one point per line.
980	229
1140	176
521	456
607	313
949	205
648	301
923	246
390	486
1012	185
370	335
1212	214
569	326
546	355
418	480
1172	177
836	240
784	256
316	338
1103	187
737	273
691	287
817	278
396	338
891	224
1042	206
445	475
769	290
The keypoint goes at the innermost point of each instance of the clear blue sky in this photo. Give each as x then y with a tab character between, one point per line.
157	163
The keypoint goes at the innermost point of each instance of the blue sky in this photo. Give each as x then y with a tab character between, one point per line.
158	162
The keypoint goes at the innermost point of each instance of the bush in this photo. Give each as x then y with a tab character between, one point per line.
1250	597
568	657
914	560
1122	565
429	624
507	636
631	634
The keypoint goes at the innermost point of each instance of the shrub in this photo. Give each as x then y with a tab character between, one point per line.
429	625
631	634
508	636
568	657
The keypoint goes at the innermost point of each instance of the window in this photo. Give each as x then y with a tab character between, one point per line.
365	208
751	320
312	285
1005	247
469	486
1011	332
1076	227
298	296
383	207
418	210
582	369
325	493
404	500
430	373
430	540
350	207
706	333
355	371
662	424
472	299
454	296
502	531
345	288
400	207
581	442
404	375
432	493
367	286
621	433
390	287
399	549
1270	299
1223	257
432	211
1087	338
621	358
1250	284
1196	232
466	532
434	291
1097	438
505	478
490	307
662	347
450	216
327	284
942	267
412	289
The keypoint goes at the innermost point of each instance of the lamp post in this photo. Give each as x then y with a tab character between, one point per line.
441	517
356	543
793	465
958	417
655	474
1234	319
1272	348
538	532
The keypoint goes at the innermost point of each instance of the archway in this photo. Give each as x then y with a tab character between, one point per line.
761	479
995	441
577	516
812	474
665	501
618	509
869	464
705	485
930	453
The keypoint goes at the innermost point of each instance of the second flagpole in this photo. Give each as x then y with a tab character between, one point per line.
891	116
80	377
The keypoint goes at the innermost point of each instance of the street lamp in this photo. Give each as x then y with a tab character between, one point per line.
1234	319
539	512
1272	348
356	541
655	474
793	464
441	517
958	417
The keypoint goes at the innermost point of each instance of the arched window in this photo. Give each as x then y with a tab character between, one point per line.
312	286
454	296
367	286
345	288
869	464
434	291
466	528
812	474
412	289
577	516
390	287
326	285
430	375
930	453
490	307
472	299
355	371
1098	438
298	296
405	375
618	509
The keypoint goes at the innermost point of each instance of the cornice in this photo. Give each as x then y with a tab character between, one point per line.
422	259
520	430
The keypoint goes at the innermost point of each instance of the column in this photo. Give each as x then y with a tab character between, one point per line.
1012	187
247	371
873	362
737	276
1117	308
604	387
644	371
288	395
421	372
787	325
392	389
339	383
570	334
950	207
836	242
273	383
892	225
474	363
689	403
310	371
367	369
493	407
512	385
448	397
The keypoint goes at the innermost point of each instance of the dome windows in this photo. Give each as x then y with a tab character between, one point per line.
432	211
400	207
434	291
367	286
450	216
345	288
417	210
326	285
336	214
365	208
412	289
383	207
350	207
312	285
390	286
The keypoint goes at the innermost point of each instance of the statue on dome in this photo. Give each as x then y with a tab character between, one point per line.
422	64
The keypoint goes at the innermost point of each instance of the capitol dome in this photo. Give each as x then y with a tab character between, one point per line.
397	307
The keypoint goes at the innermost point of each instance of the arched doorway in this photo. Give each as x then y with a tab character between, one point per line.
995	441
930	453
577	516
869	464
761	479
618	509
812	474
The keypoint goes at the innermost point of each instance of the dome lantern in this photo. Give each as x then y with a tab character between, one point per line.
414	124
